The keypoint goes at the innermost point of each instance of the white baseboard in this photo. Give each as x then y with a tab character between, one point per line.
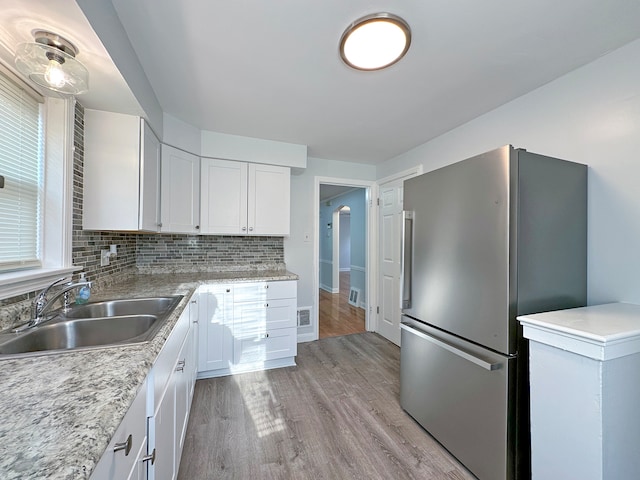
327	288
305	337
347	269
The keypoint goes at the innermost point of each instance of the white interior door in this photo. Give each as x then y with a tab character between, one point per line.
390	224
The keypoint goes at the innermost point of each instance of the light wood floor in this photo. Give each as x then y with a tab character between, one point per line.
335	416
337	317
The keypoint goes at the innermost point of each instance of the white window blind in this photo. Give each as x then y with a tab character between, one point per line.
21	153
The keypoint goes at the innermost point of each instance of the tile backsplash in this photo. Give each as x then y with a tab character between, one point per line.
191	253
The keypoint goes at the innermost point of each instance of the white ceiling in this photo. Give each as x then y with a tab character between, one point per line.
271	69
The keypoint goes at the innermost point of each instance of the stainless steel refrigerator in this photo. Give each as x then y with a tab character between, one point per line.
484	240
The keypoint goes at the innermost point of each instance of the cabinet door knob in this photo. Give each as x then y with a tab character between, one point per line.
228	290
151	457
126	446
266	335
244	229
160	224
197	227
194	301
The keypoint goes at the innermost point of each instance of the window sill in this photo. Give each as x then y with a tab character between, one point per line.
25	281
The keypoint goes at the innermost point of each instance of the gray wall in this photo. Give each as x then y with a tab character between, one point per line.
591	116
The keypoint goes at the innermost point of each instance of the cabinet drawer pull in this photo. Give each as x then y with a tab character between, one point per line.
194	301
151	457
180	367
126	446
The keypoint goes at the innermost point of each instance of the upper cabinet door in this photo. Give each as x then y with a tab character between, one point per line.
224	197
180	192
150	184
269	200
120	187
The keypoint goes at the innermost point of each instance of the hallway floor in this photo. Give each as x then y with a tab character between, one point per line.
337	317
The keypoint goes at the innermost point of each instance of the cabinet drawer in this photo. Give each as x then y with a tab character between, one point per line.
282	289
258	317
252	292
163	366
119	464
270	345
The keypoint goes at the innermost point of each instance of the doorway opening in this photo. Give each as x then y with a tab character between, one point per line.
342	260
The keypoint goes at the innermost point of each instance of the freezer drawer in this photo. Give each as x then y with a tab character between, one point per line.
459	392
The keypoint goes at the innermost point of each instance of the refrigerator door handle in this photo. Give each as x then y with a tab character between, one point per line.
407	258
461	353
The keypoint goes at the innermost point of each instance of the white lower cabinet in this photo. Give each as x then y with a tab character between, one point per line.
249	326
122	458
215	339
157	420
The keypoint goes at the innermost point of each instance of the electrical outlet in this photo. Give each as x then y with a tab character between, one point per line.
104	258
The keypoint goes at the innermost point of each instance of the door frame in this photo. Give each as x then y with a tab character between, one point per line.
371	193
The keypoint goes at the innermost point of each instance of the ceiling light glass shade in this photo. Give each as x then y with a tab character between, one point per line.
375	41
53	67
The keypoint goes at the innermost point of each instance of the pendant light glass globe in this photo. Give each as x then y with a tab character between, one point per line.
375	41
50	62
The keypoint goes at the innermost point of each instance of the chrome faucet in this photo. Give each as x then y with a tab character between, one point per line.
41	305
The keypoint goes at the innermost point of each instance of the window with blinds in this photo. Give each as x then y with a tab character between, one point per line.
21	176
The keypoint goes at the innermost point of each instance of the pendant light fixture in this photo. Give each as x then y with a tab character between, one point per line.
50	62
375	41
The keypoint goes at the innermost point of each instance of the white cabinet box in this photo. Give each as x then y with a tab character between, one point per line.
241	198
121	173
248	327
180	191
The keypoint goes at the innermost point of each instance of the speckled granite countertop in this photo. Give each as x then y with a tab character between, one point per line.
58	412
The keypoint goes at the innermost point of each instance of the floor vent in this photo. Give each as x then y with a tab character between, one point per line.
354	297
304	316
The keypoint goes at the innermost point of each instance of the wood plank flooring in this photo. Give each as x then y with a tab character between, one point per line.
336	415
336	316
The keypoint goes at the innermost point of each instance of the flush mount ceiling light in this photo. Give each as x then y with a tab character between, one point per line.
375	41
50	62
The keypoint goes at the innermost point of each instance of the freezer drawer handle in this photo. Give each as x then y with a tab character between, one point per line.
467	356
407	258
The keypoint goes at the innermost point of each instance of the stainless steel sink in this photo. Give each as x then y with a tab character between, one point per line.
116	308
94	325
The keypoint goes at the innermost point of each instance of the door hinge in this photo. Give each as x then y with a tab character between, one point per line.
378	310
378	201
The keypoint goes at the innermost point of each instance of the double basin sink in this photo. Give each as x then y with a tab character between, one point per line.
92	325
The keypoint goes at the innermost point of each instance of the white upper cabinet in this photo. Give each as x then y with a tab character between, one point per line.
121	173
269	196
241	198
224	197
180	191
